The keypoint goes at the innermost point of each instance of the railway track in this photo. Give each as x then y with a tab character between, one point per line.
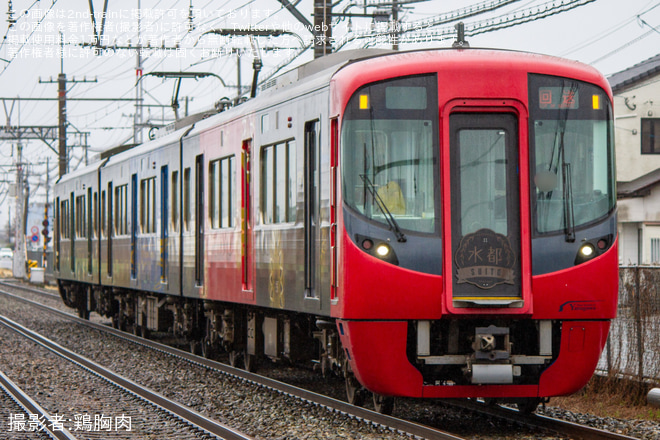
42	423
193	424
540	423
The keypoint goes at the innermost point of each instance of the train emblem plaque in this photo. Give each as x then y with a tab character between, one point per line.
485	259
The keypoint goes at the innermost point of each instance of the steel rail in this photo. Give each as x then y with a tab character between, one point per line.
44	293
188	415
531	420
403	426
31	407
573	430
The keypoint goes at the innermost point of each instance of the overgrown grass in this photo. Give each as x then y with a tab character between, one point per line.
611	397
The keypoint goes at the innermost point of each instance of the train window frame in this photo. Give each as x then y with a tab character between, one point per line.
104	226
186	199
222	197
369	113
278	179
148	205
121	210
214	190
80	230
174	226
65	221
95	217
575	208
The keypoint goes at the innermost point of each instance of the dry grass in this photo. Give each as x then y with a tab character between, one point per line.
605	397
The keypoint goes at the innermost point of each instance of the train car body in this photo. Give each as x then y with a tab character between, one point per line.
437	223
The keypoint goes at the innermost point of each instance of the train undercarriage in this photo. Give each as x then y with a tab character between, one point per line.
454	351
210	328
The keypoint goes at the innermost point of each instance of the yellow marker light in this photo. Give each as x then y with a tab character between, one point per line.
364	102
595	101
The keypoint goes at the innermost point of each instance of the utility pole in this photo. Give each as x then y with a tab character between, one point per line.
61	114
137	120
322	28
61	120
395	25
44	259
18	267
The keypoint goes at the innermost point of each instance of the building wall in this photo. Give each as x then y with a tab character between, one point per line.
639	223
628	240
643	101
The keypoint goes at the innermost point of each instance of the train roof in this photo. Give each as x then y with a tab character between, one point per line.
318	73
88	169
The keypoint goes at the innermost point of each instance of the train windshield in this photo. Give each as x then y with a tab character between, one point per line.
390	153
571	153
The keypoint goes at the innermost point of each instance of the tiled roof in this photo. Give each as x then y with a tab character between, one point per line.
634	74
638	187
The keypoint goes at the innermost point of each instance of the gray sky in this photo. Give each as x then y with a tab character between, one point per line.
609	34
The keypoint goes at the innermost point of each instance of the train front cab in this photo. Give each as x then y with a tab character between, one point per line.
476	256
76	244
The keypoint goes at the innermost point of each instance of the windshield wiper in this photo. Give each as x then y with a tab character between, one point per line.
569	216
394	226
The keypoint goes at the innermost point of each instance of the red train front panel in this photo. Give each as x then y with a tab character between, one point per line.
476	226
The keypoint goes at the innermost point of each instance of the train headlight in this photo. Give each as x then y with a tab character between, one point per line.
382	250
586	252
378	248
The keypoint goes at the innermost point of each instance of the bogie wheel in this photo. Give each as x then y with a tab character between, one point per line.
250	362
235	358
354	391
528	405
194	346
383	404
83	313
207	349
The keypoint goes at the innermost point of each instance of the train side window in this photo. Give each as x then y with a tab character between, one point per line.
95	208
121	209
214	193
278	183
227	198
221	197
186	199
57	234
64	219
104	229
148	205
291	180
81	217
175	201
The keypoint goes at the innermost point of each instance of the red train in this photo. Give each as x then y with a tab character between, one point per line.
435	223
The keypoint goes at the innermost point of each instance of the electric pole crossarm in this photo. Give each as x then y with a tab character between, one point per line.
28	132
296	13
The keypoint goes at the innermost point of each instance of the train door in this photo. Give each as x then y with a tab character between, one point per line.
164	222
199	220
90	232
72	234
311	189
485	209
246	220
111	230
134	225
57	234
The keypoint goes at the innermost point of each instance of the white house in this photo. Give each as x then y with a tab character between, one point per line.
637	140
